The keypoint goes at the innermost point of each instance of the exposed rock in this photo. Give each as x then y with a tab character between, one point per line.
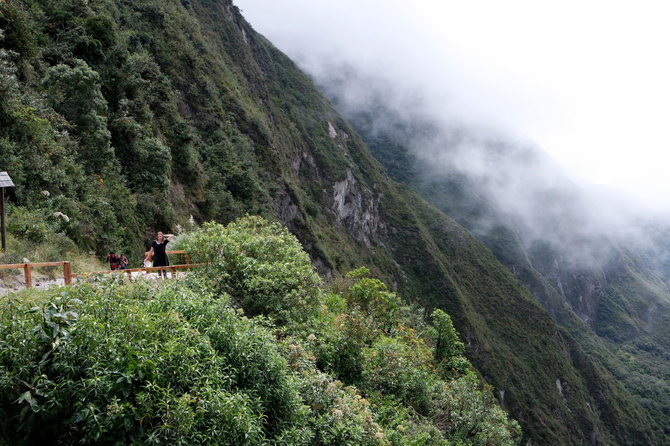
230	11
582	289
356	209
61	215
288	211
331	130
305	158
228	8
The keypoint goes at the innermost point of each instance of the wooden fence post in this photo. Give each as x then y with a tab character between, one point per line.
67	273
29	278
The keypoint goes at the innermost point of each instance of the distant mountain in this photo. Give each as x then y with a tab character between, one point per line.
596	261
141	115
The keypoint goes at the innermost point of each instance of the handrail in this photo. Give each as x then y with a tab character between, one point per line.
129	271
178	251
27	270
33	264
68	275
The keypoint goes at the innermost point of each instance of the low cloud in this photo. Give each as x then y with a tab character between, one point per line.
393	76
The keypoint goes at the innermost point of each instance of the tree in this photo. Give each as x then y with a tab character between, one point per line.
447	342
75	94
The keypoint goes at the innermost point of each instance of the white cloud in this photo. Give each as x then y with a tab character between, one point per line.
588	81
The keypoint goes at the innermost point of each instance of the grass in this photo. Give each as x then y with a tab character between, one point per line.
19	250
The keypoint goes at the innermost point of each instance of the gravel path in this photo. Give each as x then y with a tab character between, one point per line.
17	282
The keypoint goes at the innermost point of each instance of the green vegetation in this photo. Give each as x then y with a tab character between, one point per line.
260	266
175	362
131	116
604	306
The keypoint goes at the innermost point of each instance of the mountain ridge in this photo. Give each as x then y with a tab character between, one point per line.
240	129
611	298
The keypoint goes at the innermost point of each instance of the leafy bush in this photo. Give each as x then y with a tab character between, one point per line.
393	367
414	374
75	93
449	349
110	362
468	415
29	225
339	414
107	363
372	296
341	343
16	30
260	265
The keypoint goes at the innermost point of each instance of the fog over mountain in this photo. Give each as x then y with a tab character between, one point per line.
475	119
432	177
538	128
583	81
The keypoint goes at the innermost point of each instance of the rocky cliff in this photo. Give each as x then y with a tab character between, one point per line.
195	114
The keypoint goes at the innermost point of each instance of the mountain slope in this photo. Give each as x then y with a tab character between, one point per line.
612	299
189	112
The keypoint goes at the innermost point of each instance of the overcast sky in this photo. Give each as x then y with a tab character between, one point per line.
589	81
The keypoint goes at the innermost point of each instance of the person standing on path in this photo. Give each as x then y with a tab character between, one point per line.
123	262
113	260
158	254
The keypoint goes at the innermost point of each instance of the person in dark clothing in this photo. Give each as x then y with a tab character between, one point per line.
113	260
157	252
123	262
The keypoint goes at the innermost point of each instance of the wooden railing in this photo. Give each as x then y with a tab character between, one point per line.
172	268
187	259
68	275
27	268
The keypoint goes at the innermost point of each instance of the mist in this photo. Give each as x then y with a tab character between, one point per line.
528	154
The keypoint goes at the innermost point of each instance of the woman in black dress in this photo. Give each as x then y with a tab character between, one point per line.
157	252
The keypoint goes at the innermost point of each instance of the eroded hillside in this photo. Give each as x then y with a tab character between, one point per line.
140	114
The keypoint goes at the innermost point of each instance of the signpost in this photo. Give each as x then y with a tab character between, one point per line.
5	181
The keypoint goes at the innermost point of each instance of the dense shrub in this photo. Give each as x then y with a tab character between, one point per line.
75	93
449	349
413	373
260	265
109	362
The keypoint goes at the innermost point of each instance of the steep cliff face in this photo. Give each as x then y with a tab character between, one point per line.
611	296
356	209
239	129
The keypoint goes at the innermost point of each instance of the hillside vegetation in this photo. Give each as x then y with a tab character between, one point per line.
132	116
610	292
265	354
